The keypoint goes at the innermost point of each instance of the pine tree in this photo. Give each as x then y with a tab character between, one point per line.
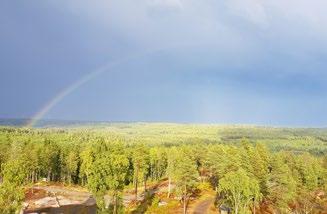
140	159
186	176
11	190
281	185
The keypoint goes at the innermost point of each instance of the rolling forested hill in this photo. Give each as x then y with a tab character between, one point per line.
313	140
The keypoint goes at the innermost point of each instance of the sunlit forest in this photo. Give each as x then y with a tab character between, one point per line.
168	168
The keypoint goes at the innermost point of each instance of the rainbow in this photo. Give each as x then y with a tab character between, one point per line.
63	93
80	82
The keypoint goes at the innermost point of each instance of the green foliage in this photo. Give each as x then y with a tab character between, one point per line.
158	162
11	190
14	172
11	197
281	184
140	161
87	158
280	165
107	173
185	174
239	190
70	159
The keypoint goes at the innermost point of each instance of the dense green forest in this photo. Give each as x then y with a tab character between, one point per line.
247	166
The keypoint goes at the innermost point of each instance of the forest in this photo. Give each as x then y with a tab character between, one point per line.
248	168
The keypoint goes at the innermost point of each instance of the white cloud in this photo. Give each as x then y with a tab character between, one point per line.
245	27
251	10
177	4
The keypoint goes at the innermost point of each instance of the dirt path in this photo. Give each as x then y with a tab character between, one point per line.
202	207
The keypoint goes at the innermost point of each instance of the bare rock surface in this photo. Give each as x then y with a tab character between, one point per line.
58	199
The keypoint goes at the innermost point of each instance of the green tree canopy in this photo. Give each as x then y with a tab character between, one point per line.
239	190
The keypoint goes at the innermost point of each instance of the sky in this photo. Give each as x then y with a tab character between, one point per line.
229	62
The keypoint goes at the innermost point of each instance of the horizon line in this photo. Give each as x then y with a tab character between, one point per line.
157	122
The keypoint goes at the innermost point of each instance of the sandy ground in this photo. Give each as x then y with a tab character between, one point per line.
203	206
